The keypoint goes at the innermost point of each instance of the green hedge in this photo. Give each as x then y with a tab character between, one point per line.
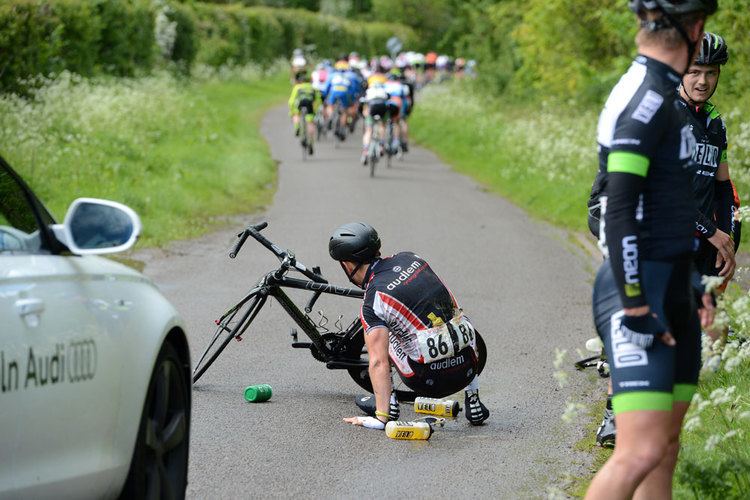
85	37
125	37
232	33
573	49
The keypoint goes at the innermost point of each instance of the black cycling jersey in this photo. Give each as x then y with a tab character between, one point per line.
711	150
645	146
403	294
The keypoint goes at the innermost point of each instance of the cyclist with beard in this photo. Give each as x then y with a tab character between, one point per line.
643	303
410	320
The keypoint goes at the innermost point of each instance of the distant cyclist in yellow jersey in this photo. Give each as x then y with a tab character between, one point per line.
304	101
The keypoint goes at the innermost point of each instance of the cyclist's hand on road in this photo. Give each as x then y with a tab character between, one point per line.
641	330
369	422
707	311
725	252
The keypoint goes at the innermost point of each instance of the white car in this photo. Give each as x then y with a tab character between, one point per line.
95	392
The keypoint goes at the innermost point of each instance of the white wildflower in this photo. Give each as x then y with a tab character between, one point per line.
572	412
165	31
711	282
720	396
712	441
561	377
713	363
560	355
692	423
730	434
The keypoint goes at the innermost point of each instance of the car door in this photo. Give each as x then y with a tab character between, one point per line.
61	375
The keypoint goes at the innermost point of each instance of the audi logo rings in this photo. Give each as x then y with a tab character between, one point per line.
82	358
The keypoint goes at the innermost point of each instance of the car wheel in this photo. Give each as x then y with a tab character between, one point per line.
160	459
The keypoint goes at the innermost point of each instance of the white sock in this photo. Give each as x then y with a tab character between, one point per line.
474	385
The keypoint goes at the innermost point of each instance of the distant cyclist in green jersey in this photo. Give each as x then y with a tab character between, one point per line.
643	305
303	104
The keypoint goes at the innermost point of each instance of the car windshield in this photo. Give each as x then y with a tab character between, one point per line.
19	231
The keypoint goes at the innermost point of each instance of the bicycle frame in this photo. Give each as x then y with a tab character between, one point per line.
273	287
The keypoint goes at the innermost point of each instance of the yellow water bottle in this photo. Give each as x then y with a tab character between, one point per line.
437	407
399	429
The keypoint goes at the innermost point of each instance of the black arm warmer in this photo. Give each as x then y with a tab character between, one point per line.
724	202
704	225
621	227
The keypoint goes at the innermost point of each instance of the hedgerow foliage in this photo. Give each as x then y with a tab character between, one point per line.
128	37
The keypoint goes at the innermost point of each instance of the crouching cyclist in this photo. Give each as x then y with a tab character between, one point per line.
410	320
303	104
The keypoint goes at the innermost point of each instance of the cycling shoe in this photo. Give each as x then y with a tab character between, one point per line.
605	434
476	412
366	403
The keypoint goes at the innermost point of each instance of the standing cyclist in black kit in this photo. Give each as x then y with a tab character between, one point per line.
643	305
714	192
411	320
717	201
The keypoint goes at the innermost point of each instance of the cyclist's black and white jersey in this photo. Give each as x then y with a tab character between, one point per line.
711	151
404	295
650	214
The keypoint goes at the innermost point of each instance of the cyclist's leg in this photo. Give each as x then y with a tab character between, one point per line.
366	137
368	126
310	124
295	123
684	325
405	127
344	103
643	384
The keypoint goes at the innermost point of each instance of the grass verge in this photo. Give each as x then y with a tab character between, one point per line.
184	154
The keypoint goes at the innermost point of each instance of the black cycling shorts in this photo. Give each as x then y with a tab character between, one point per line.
444	377
393	109
654	378
377	108
305	106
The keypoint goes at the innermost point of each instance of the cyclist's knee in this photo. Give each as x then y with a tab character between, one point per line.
637	461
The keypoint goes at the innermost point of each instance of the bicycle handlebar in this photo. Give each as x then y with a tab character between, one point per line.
279	252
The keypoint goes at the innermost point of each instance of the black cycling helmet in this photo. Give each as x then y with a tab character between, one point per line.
354	242
713	50
674	7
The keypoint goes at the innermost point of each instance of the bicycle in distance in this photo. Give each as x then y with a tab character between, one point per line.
339	348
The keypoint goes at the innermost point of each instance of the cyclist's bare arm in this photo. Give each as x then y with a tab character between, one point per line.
380	368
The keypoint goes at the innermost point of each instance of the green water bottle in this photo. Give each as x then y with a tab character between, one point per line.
257	393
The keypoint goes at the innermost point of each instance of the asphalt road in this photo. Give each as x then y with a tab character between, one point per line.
524	287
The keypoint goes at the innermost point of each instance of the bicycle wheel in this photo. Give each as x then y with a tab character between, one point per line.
231	326
389	143
372	154
303	135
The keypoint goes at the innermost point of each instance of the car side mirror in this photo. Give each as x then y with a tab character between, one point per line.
94	226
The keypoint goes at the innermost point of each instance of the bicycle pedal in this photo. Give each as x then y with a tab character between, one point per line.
302	345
